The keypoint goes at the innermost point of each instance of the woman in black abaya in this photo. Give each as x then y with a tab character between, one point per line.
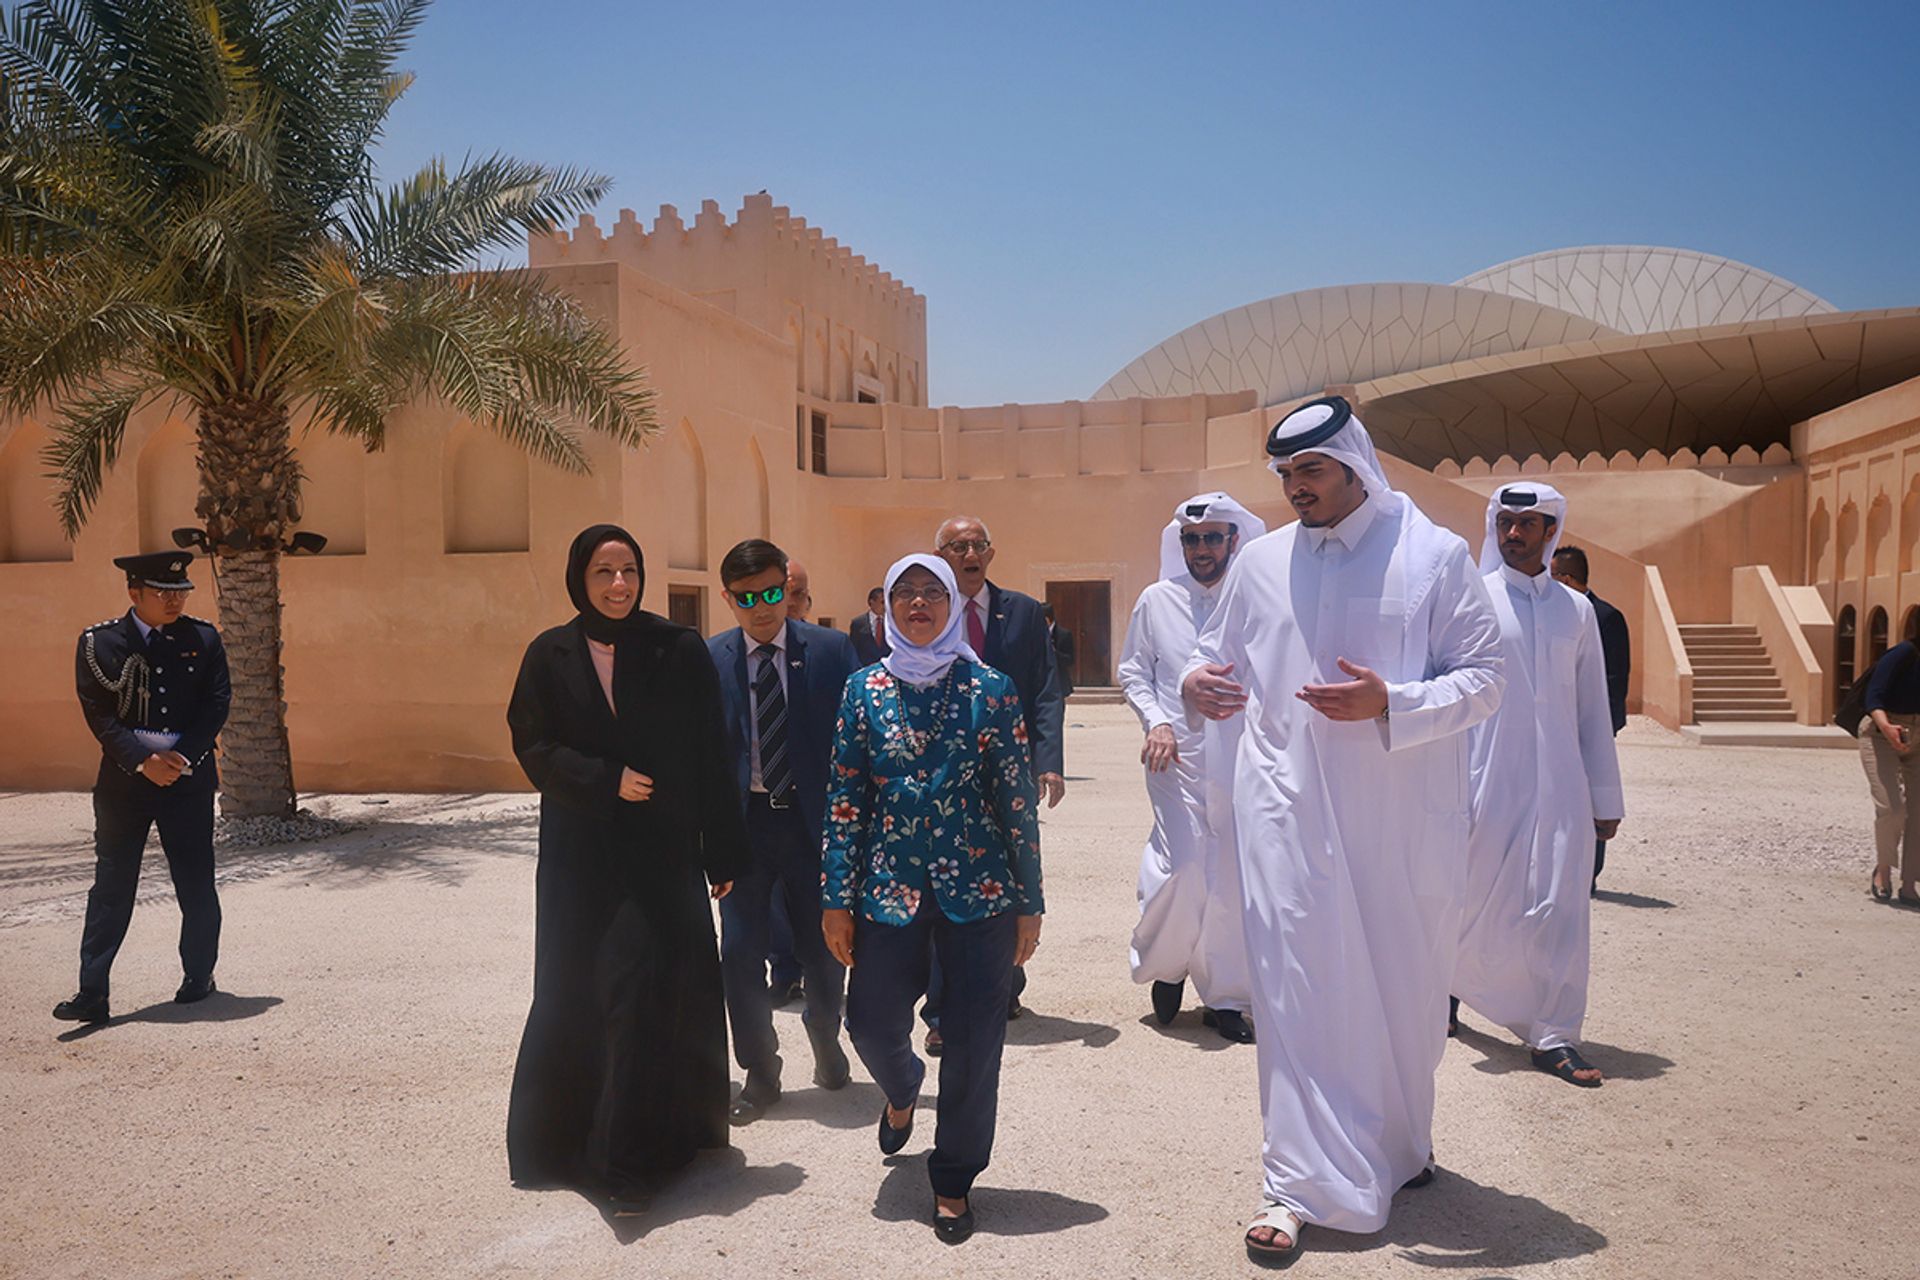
622	1074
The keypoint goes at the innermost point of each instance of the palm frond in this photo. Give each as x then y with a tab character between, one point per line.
86	442
434	223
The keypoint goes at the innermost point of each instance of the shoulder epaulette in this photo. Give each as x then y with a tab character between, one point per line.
187	617
105	623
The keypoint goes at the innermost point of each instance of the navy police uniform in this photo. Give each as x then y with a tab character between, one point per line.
146	690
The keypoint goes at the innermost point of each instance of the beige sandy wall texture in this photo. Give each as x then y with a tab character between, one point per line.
338	1111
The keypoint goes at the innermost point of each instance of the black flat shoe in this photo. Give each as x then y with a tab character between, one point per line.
953	1230
1563	1062
1166	1001
761	1091
194	990
1422	1178
831	1070
1880	894
892	1139
84	1007
1231	1025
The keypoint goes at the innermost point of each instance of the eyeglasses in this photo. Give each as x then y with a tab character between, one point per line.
770	595
935	594
172	593
967	546
1212	538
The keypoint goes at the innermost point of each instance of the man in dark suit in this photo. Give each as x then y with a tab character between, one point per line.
1009	632
153	685
1616	650
780	686
869	630
1063	652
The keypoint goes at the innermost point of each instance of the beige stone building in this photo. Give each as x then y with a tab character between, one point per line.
1742	462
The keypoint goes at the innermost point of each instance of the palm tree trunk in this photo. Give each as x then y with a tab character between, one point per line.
249	495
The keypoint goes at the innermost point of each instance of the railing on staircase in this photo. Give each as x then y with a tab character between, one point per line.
1761	603
1666	688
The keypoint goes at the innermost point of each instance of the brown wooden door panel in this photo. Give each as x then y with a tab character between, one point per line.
1086	609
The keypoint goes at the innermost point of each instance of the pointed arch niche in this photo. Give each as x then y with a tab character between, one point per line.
29	525
683	474
484	504
169	484
762	504
333	491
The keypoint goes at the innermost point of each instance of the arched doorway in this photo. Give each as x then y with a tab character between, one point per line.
1876	635
1910	625
1843	654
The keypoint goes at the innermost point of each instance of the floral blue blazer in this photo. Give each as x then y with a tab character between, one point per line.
958	819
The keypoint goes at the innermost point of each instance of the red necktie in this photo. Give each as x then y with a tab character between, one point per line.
976	630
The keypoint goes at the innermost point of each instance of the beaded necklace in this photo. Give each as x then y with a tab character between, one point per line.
920	739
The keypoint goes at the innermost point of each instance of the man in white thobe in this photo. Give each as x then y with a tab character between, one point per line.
1545	782
1361	646
1190	871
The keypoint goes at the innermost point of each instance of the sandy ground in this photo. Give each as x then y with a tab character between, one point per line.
338	1110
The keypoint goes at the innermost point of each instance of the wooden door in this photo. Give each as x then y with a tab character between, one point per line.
1086	609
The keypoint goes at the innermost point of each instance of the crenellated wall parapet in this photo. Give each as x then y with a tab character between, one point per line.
858	332
1714	459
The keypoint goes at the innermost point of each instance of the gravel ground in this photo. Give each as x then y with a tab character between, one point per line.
337	1111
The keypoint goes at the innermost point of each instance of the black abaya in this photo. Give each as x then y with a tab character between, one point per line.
622	1073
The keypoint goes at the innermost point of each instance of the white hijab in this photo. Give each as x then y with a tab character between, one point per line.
1198	509
926	664
1350	444
1547	500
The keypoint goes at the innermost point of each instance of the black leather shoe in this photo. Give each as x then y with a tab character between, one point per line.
1231	1024
1166	1001
194	990
1014	1008
761	1091
84	1007
935	1045
892	1139
953	1230
783	994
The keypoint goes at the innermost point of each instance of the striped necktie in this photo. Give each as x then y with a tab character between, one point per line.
770	723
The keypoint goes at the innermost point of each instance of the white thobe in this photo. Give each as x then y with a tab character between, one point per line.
1543	769
1190	919
1353	839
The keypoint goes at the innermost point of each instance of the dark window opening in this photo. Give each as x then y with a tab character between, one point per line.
819	434
687	606
1843	649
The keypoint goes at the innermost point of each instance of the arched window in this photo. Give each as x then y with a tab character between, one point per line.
1876	635
1910	625
1843	653
169	485
762	507
29	525
684	488
484	504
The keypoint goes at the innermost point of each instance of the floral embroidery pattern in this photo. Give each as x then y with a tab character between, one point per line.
954	820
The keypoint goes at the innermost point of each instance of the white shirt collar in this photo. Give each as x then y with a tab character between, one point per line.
983	597
1349	531
1539	584
145	630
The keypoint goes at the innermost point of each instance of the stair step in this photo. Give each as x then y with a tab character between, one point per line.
1693	629
1717	717
1742	704
1737	680
1724	646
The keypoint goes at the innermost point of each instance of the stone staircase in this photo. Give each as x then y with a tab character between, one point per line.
1733	679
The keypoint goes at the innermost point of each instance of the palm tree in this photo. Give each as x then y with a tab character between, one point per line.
189	213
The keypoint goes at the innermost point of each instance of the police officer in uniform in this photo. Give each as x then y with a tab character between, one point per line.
153	686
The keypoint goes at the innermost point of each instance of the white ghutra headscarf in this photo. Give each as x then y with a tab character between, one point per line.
1329	426
927	663
1198	509
1522	495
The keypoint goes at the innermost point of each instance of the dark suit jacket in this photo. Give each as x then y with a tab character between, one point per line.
188	692
1616	648
1063	654
865	647
1017	644
818	664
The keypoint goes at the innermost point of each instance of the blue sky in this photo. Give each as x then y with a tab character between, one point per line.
1068	184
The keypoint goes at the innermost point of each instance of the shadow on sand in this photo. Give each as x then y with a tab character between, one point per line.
221	1006
1640	900
1456	1223
1189	1028
718	1184
905	1195
1499	1057
1044	1028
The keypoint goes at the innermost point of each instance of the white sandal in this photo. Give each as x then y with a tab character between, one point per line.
1281	1219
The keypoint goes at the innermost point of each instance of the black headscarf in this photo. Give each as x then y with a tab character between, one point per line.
596	624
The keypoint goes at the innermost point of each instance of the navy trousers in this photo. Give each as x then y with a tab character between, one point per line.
122	817
930	1011
890	964
780	957
786	861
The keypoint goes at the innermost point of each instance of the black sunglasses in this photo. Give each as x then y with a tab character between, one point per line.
1212	538
770	595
